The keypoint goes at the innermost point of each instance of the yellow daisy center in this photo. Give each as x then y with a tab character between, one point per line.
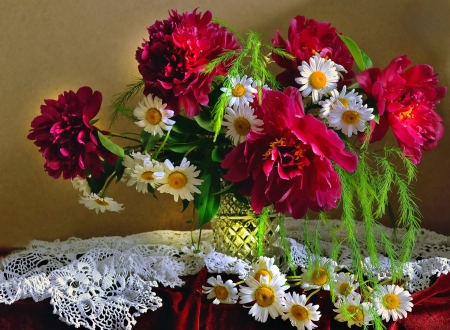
238	90
343	101
262	273
221	292
391	301
147	175
264	296
357	314
101	202
153	116
345	289
350	117
299	312
318	80
320	276
177	180
242	126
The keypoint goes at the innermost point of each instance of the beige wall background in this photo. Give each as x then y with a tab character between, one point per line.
48	47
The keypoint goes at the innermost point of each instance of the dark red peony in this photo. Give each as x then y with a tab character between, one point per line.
305	38
288	164
178	50
405	100
66	139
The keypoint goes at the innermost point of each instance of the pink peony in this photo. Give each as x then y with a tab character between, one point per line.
288	164
305	38
66	138
178	50
405	101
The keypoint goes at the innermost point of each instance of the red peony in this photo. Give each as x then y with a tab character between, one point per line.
66	138
405	101
178	50
288	164
305	38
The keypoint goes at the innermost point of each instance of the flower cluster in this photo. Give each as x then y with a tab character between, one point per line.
213	119
266	291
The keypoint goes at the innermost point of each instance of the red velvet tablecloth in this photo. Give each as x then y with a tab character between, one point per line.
186	308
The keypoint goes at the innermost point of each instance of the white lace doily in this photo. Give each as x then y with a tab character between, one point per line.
106	282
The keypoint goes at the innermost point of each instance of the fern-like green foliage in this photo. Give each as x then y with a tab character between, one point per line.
249	60
118	105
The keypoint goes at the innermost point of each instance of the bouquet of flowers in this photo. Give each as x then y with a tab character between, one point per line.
213	119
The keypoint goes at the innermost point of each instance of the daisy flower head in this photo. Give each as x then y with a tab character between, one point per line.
179	181
224	293
392	301
318	77
299	313
265	266
146	174
82	185
153	115
345	285
318	274
241	91
343	97
266	295
239	121
102	204
350	119
352	311
135	158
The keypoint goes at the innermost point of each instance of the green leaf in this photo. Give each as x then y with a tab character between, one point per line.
204	120
218	154
185	147
149	140
207	202
93	121
185	205
362	60
111	146
119	169
186	125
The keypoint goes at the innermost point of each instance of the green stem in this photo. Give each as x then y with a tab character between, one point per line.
312	294
124	137
107	184
199	238
189	151
161	146
192	227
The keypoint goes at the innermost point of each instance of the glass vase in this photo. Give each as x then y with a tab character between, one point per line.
235	230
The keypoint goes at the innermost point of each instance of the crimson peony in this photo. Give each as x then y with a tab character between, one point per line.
288	164
305	38
179	48
66	138
405	101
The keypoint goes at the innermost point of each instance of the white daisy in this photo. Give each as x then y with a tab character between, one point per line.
153	116
350	119
146	175
352	311
318	274
239	121
94	202
225	293
343	97
179	181
317	77
81	185
265	266
135	158
345	285
266	295
241	91
392	301
299	313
